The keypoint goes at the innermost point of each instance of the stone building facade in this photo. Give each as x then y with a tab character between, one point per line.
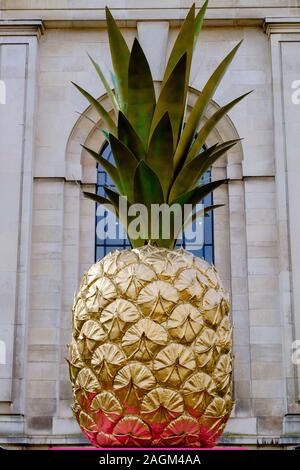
47	235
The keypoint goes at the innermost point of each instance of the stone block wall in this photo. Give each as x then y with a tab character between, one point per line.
47	227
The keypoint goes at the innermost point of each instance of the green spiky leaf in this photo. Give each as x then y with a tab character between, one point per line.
183	45
106	84
112	202
110	169
199	22
147	187
106	134
114	197
141	94
160	153
148	191
193	170
129	137
201	213
116	200
102	200
111	127
126	164
196	195
210	124
189	175
171	99
209	209
120	58
200	107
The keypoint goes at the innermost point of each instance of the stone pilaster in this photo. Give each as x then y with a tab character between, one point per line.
284	36
18	68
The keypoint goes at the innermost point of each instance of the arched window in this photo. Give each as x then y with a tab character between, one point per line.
105	245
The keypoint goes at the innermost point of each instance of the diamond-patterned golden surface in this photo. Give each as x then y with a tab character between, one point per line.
150	359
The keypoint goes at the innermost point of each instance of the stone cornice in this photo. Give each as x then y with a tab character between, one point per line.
101	23
91	13
282	25
21	28
16	27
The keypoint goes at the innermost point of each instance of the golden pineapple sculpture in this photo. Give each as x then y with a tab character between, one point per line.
150	357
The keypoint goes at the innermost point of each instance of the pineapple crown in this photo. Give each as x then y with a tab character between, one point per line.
158	151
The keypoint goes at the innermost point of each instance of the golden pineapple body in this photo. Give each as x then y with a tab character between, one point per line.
150	358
